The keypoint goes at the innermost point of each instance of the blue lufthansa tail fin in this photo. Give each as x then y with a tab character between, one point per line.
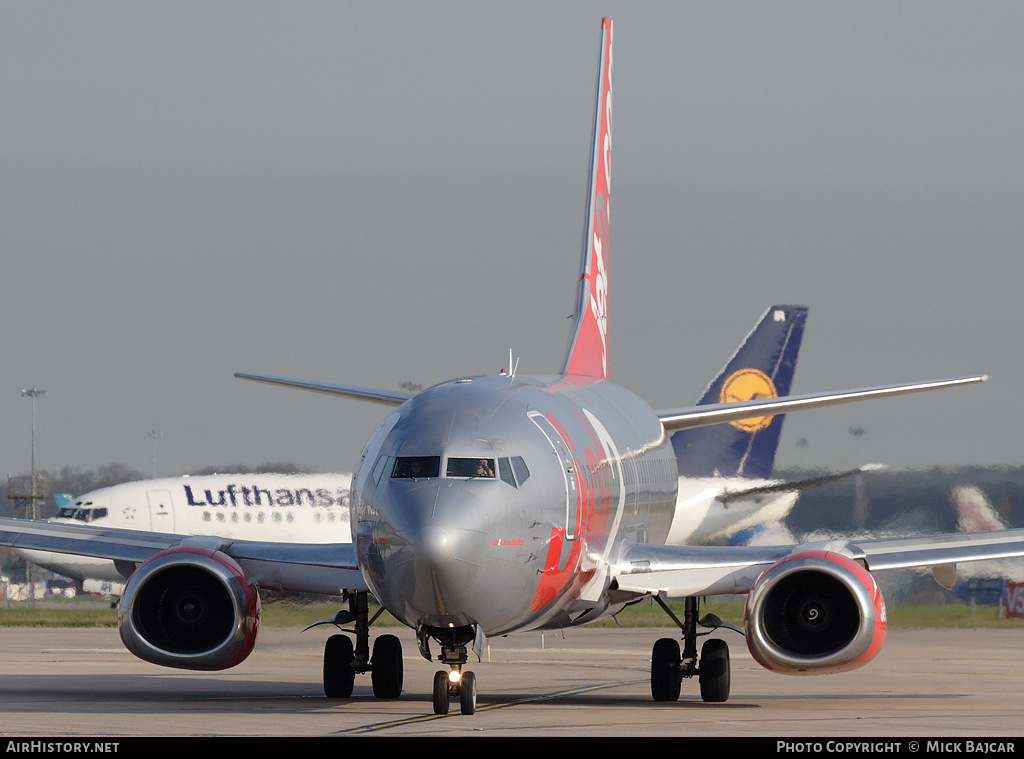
762	368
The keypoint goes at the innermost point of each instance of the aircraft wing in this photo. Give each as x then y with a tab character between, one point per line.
373	395
940	550
791	486
324	568
119	545
717	413
681	571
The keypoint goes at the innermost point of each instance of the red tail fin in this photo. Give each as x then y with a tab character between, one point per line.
588	347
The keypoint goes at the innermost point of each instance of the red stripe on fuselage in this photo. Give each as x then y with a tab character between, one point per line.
593	505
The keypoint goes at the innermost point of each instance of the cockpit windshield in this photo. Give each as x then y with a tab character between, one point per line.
512	471
81	513
415	467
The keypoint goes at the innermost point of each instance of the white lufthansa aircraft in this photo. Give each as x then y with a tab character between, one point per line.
298	508
486	505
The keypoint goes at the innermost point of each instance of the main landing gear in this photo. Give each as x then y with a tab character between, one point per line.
669	665
343	659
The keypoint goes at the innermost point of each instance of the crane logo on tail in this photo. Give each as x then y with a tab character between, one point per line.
748	385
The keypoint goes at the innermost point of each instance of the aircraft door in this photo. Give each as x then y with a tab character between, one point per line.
161	510
568	471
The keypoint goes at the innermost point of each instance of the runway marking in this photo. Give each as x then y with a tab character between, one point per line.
490	707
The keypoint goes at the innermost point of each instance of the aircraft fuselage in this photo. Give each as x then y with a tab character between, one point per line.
521	488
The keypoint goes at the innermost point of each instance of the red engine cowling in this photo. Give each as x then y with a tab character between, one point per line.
190	607
815	613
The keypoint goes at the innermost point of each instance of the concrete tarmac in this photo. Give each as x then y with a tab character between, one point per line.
585	682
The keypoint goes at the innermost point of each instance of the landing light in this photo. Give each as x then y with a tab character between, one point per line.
454	676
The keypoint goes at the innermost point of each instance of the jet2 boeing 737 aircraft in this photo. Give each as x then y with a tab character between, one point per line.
724	486
487	505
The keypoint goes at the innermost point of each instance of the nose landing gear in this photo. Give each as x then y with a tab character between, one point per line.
454	684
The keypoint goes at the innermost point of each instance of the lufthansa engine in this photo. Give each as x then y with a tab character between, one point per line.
815	613
190	607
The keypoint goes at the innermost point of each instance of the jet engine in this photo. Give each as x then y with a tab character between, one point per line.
190	607
815	613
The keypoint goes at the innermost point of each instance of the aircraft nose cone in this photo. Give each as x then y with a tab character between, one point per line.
437	544
436	521
435	538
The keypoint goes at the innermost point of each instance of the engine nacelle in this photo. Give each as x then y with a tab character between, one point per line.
190	607
815	613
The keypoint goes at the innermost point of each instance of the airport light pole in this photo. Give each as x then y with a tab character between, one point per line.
154	436
33	393
34	495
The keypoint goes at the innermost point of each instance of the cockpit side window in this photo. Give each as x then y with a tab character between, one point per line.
470	467
522	472
505	472
378	468
416	467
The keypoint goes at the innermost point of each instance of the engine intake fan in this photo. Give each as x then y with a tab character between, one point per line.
815	613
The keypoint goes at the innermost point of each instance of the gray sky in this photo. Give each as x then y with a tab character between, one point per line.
373	193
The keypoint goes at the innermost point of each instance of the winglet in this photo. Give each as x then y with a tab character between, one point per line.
588	347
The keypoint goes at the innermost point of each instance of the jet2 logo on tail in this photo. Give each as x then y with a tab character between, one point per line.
599	295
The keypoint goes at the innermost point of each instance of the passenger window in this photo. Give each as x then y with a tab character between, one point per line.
470	467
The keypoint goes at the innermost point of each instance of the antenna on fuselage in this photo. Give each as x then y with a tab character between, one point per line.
512	369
